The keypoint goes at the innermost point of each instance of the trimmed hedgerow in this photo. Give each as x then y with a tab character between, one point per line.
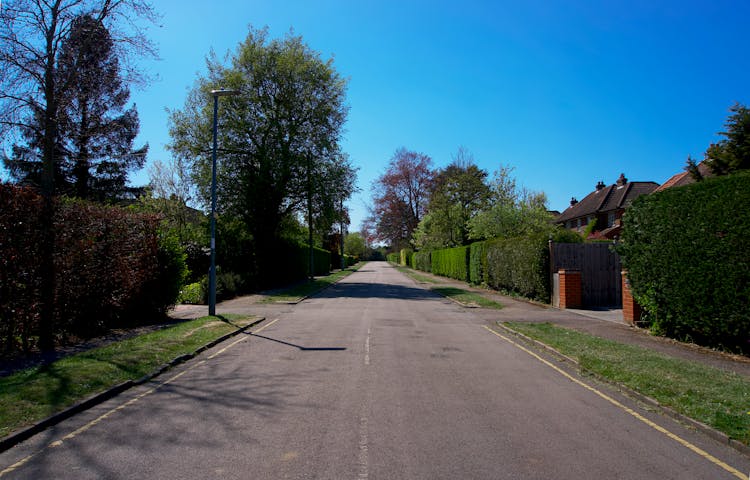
423	261
405	257
519	265
451	263
688	259
393	257
477	262
110	266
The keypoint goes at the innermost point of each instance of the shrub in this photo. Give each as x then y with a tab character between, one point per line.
451	262
393	257
405	257
519	265
688	260
477	262
423	261
110	268
193	293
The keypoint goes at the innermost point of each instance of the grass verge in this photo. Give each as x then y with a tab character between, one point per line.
714	397
31	395
299	291
467	298
415	276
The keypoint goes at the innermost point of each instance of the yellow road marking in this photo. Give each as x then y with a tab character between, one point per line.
632	412
130	402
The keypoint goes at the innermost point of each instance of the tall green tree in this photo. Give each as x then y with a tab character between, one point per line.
512	211
733	153
279	138
95	132
459	192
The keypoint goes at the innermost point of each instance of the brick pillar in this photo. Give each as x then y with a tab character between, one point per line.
631	311
570	289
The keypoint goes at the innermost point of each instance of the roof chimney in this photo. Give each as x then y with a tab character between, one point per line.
622	180
573	201
600	185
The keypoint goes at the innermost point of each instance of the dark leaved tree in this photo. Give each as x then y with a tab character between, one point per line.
94	132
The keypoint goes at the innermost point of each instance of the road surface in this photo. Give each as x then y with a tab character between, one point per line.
375	378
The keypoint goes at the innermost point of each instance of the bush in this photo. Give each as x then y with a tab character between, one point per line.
451	262
518	265
423	261
405	257
194	294
688	260
110	268
477	262
393	257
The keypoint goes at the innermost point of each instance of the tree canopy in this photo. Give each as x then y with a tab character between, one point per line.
33	36
459	192
733	153
401	195
94	132
279	137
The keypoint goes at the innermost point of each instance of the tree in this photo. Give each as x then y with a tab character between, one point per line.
31	35
354	245
279	137
512	211
401	195
94	133
733	153
459	193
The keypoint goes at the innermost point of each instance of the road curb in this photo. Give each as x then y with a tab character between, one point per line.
721	437
15	438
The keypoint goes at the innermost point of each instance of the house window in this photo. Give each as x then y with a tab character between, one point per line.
610	219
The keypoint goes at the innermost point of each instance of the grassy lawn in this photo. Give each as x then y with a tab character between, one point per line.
36	393
467	298
297	292
709	395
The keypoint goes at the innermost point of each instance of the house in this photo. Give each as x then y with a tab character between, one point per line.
605	206
685	178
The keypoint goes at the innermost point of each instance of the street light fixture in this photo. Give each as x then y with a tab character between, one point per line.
212	271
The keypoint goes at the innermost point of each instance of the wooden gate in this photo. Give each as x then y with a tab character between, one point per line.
600	268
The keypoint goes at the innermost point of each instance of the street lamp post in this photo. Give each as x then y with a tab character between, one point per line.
212	271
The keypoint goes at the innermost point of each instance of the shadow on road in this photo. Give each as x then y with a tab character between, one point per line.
376	290
304	349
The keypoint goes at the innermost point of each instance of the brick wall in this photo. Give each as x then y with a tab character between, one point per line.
631	311
570	289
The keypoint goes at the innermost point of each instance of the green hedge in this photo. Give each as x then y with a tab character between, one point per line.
422	261
451	263
518	265
477	263
393	257
405	257
688	257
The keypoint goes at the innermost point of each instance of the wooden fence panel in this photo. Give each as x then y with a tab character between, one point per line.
600	271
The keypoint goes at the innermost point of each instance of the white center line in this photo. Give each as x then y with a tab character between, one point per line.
363	449
367	348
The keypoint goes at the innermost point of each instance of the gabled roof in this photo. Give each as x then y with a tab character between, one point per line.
684	178
607	199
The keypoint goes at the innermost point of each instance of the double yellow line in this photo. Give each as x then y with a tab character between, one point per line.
628	410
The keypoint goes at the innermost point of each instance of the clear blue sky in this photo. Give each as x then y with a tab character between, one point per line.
568	92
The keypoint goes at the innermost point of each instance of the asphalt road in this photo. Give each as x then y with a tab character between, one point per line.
376	378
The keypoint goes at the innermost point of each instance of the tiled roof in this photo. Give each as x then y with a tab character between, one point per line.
684	178
606	199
